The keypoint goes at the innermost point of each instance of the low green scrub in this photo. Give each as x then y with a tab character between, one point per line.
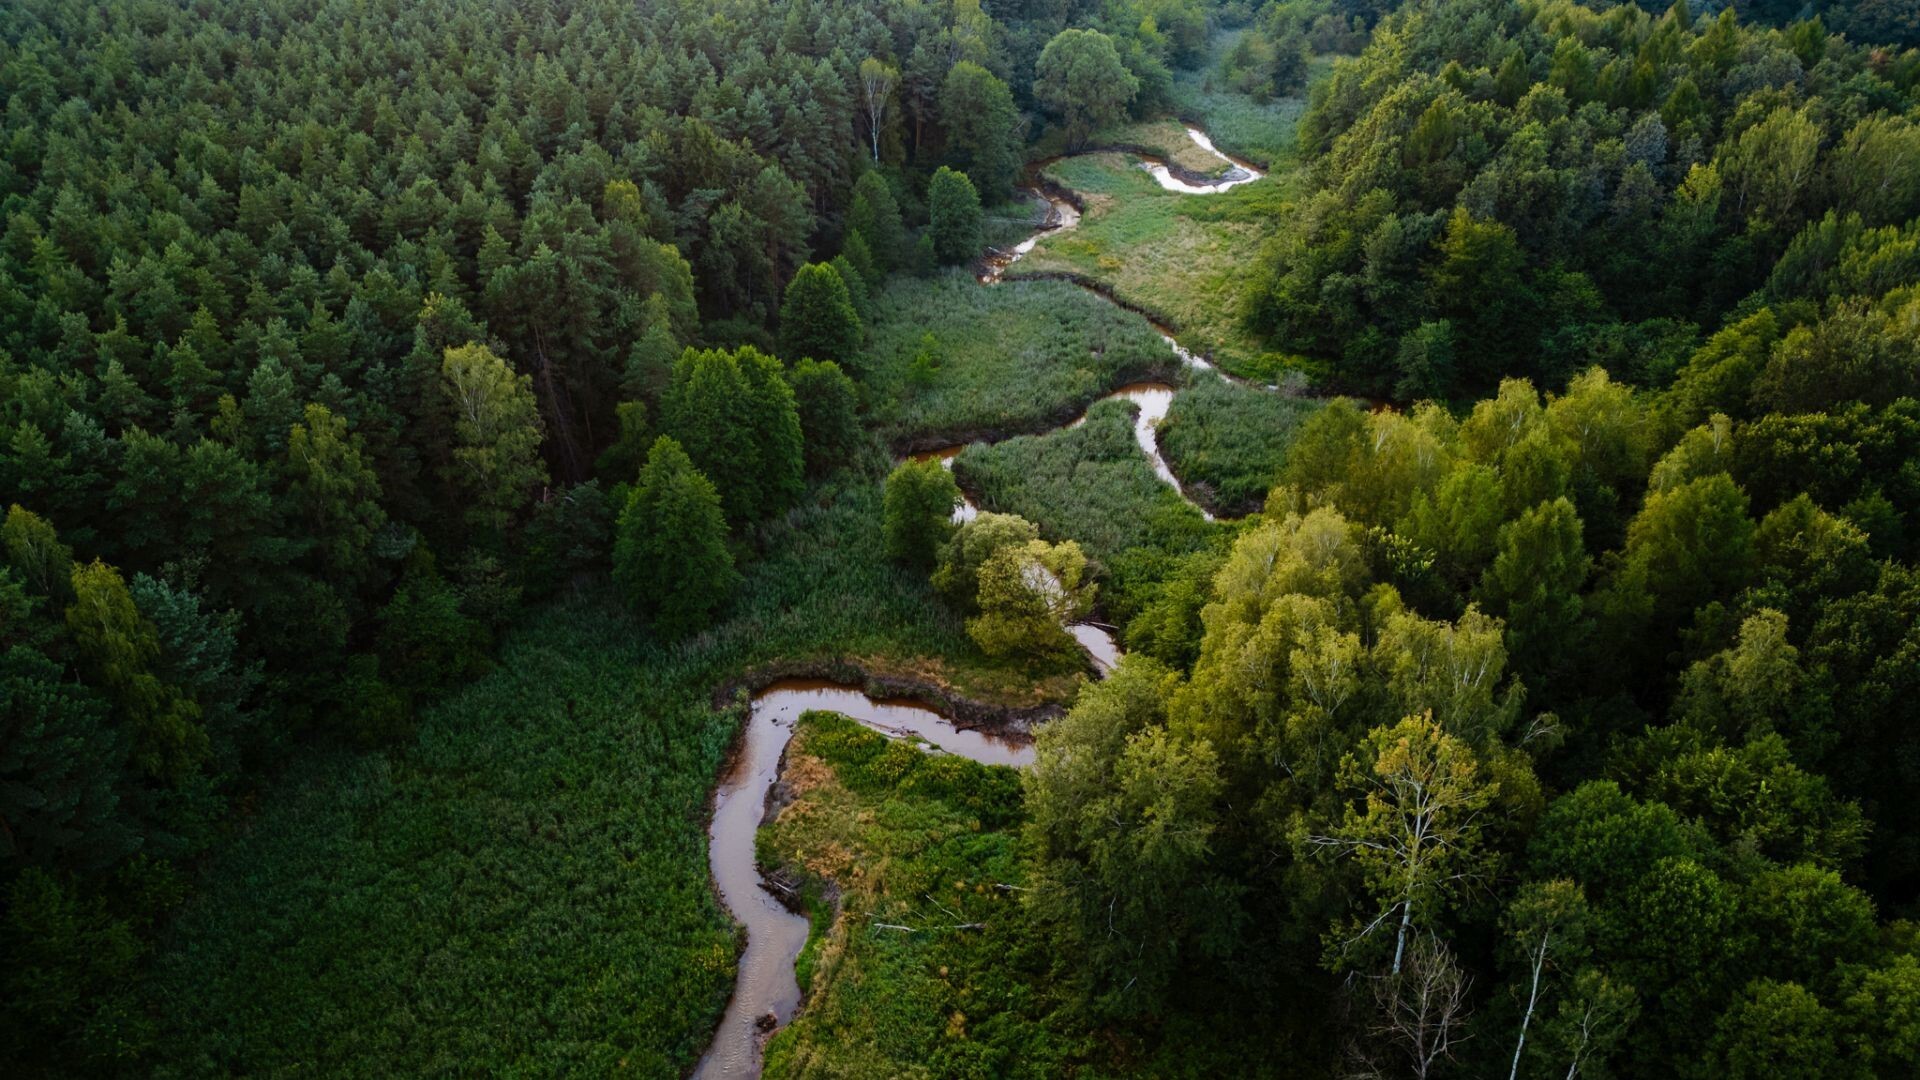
952	358
524	888
1227	442
1004	225
1091	483
934	967
1183	257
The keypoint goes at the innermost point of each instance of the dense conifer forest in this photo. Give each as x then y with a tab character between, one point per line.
1419	502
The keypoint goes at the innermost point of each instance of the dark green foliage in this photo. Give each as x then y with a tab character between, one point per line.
827	402
427	644
953	211
1081	79
921	496
734	415
670	545
874	216
1437	188
817	318
983	128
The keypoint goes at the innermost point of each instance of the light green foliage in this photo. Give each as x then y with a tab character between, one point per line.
336	491
496	457
953	212
1416	837
1688	545
1768	166
1121	819
921	496
1027	594
36	553
1775	1030
121	647
670	552
957	576
817	319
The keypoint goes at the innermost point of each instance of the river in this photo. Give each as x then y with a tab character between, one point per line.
766	994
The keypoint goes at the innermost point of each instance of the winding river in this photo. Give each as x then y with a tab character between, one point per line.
766	994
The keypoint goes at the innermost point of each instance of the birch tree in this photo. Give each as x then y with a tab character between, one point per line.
877	80
1416	835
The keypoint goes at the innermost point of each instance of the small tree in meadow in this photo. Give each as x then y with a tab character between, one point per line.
918	511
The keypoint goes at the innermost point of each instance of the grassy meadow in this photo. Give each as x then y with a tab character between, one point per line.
1183	257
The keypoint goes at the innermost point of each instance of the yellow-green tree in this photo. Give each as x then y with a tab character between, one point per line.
497	432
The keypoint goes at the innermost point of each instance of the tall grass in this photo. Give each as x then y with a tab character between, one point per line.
950	357
1228	442
524	888
1091	484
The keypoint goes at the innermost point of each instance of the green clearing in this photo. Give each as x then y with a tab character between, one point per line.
1182	257
1014	357
523	889
1227	442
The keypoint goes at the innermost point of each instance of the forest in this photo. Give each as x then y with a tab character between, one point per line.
1422	499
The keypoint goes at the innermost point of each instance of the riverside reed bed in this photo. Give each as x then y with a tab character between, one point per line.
1090	483
950	357
1228	443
